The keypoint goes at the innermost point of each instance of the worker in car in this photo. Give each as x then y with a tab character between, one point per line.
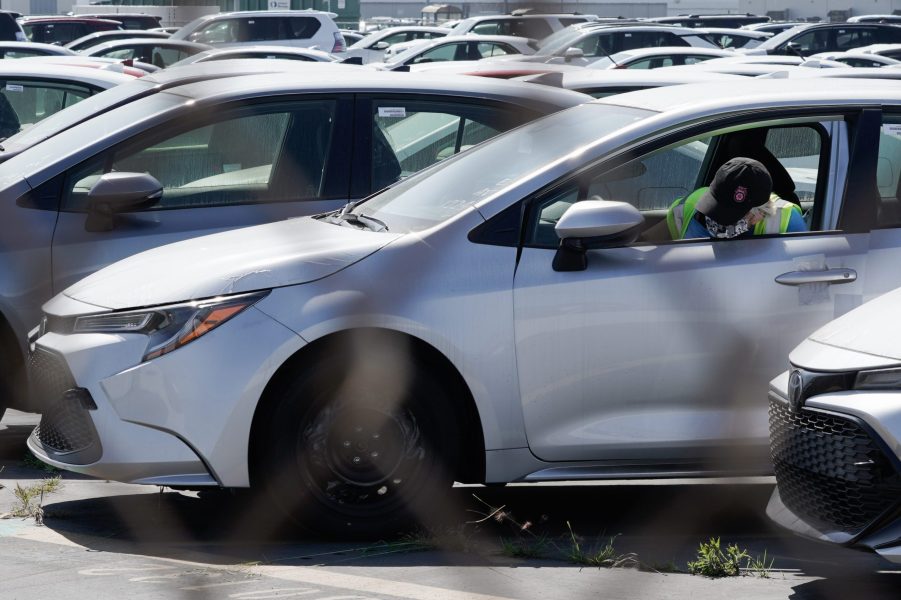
738	203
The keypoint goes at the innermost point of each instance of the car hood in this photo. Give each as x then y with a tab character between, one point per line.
242	260
873	328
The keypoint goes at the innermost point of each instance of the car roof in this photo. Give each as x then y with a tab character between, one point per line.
49	48
325	77
268	13
757	35
673	50
64	19
706	98
131	42
590	79
71	73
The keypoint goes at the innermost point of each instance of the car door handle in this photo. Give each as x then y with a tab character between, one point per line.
836	276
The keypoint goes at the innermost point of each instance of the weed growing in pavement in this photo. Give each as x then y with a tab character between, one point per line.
714	562
759	566
31	498
597	556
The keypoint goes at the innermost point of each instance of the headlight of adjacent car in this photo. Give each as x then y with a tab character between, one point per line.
880	379
169	327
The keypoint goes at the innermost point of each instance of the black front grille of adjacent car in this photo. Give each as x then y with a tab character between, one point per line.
829	470
65	426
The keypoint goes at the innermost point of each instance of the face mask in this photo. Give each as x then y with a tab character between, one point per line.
726	231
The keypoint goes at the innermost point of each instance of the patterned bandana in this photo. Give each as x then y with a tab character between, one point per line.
726	231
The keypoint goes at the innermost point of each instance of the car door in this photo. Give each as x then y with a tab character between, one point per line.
660	351
239	165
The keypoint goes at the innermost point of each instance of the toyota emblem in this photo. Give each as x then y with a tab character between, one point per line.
795	391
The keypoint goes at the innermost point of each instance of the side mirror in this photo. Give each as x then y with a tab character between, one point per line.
380	46
594	224
119	192
573	53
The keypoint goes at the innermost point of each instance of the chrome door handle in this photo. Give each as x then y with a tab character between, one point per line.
835	276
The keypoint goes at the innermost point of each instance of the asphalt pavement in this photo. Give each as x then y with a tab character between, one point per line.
105	540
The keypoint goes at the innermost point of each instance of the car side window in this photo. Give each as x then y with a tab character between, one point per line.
265	154
487	28
653	183
410	135
219	32
888	172
396	38
27	102
261	29
652	63
847	39
301	28
444	52
486	49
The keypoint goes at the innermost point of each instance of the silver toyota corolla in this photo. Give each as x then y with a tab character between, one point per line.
515	313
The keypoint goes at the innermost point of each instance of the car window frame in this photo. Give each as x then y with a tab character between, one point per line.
499	231
335	182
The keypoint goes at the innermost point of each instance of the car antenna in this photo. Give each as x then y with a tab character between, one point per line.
607	54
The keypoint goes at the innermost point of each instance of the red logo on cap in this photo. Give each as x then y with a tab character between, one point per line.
741	192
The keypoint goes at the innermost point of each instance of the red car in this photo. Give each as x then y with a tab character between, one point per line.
62	30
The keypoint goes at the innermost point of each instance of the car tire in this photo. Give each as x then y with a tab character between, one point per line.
357	455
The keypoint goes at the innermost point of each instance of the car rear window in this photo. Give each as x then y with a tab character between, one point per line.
302	28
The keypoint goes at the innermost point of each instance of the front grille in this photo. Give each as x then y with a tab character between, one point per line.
65	425
830	472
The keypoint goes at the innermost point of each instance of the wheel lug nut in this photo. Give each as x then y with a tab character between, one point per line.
374	455
347	444
357	460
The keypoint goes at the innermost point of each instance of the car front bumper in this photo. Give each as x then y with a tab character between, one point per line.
837	468
183	419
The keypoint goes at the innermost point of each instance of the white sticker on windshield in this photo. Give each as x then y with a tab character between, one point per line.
393	112
892	129
11	87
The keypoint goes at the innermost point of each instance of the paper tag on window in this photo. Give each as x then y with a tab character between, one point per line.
393	112
892	129
10	87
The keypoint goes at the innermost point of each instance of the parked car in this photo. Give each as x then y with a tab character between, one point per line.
654	58
351	37
62	30
93	39
759	69
735	38
581	45
457	48
858	59
535	27
805	40
221	161
307	29
372	47
10	31
158	52
488	320
27	49
875	19
132	21
32	92
728	20
257	52
834	416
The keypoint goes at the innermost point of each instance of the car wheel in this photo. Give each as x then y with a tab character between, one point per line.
360	454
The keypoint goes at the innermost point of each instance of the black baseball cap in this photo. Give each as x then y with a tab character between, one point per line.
737	187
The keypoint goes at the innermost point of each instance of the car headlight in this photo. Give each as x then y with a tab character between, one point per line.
169	327
879	379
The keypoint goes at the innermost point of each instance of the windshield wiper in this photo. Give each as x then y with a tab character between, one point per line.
363	220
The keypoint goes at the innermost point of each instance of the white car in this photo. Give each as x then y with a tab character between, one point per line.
835	419
860	60
515	313
654	58
372	48
304	28
457	48
538	26
259	52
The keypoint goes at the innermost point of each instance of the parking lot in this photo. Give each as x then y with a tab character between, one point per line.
108	540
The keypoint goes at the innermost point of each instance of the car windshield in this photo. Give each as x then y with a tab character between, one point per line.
75	114
414	50
452	186
781	38
561	40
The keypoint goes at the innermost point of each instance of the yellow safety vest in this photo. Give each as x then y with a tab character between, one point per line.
678	220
